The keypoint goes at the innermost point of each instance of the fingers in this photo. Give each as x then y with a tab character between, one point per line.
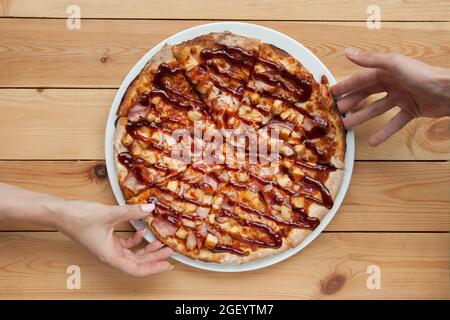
161	254
357	81
394	125
370	59
155	245
351	100
134	240
130	212
149	262
141	269
146	264
373	110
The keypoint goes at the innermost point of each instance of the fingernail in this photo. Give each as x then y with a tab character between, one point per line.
148	207
352	52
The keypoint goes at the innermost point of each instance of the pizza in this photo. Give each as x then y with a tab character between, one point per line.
238	146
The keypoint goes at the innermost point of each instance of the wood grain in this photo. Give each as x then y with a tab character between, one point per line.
53	124
56	89
44	53
334	266
72	123
234	9
382	196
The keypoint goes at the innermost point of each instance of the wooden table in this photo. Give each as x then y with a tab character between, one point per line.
57	86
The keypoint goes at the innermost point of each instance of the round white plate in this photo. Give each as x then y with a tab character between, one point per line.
306	57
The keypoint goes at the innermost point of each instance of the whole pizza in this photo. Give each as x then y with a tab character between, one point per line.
238	146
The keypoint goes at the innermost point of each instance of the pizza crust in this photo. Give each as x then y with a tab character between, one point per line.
326	100
188	52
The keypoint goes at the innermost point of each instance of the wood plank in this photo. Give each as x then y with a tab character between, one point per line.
72	124
234	9
334	266
44	53
382	196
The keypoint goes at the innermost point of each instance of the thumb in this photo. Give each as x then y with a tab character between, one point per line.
131	212
370	59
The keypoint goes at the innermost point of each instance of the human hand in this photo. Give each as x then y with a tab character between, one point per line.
92	225
420	90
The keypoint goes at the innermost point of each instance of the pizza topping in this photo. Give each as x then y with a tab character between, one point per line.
132	183
164	228
126	159
300	88
191	241
202	230
188	223
168	94
211	241
221	247
127	140
326	199
227	210
182	233
202	212
194	115
138	112
233	55
313	131
301	217
322	166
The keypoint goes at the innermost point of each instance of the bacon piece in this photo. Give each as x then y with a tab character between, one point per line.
199	243
164	228
221	219
228	204
149	174
132	183
202	230
277	124
138	112
191	241
200	179
213	231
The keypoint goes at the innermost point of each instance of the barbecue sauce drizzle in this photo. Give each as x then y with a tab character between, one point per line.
300	88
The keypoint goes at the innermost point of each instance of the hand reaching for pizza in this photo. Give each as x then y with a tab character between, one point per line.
92	225
420	90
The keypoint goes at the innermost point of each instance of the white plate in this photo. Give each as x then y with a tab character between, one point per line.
306	57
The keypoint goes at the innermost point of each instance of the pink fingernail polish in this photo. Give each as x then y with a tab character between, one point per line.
148	207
